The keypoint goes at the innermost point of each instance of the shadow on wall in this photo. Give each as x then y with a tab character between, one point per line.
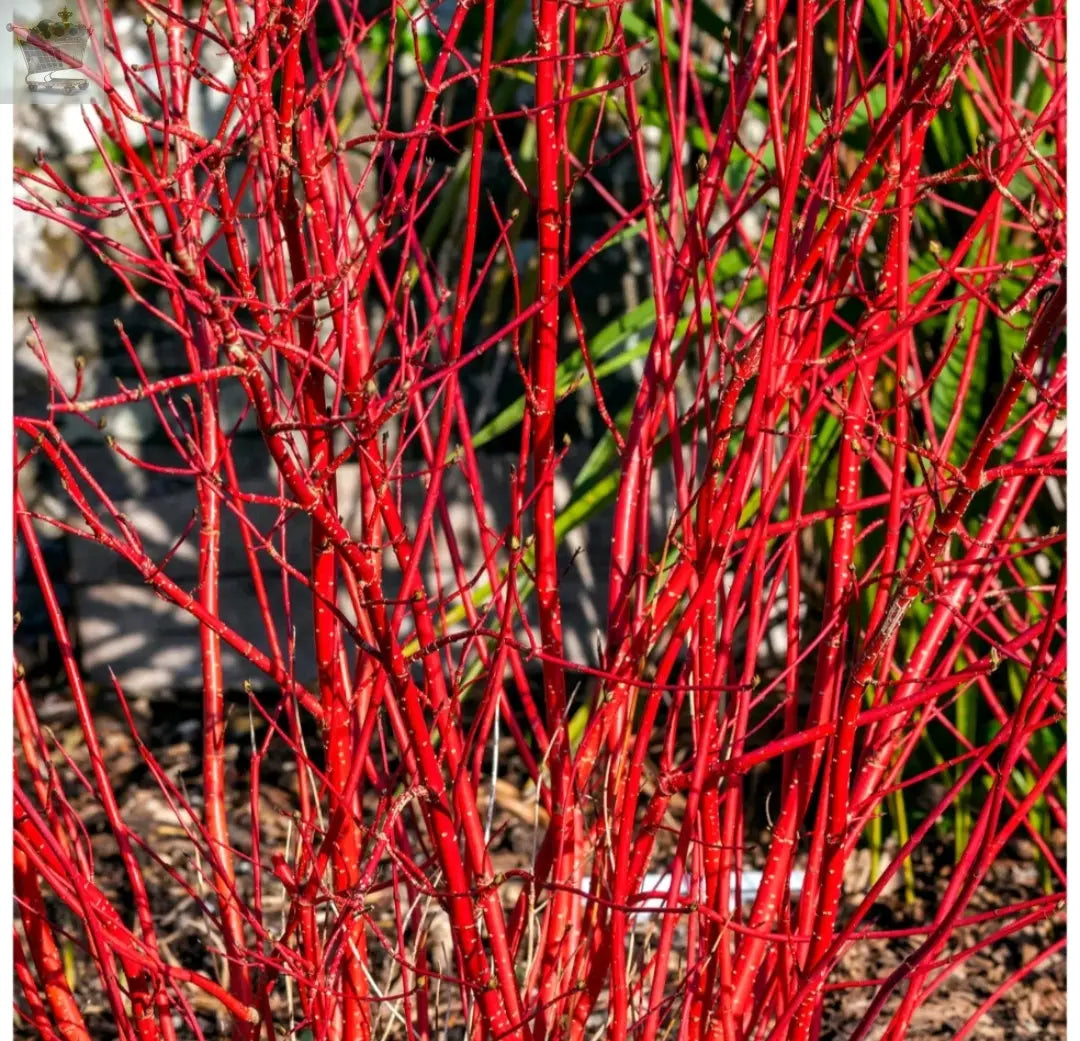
120	622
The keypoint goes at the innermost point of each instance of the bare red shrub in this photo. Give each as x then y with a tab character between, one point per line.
828	410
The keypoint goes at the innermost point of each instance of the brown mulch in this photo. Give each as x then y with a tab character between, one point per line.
1033	1009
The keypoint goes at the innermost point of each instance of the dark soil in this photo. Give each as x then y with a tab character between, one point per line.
1032	1009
